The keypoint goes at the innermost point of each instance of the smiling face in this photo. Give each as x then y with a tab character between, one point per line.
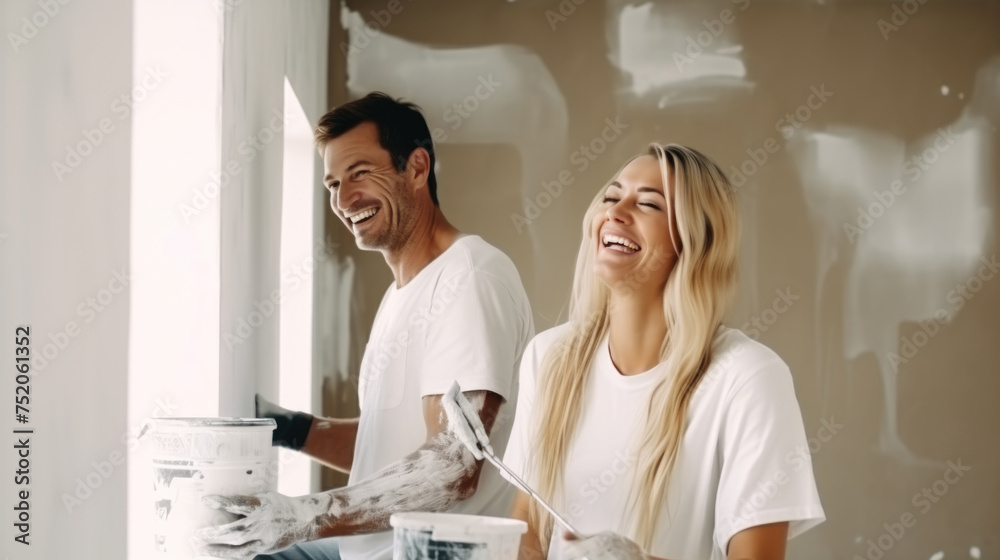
375	202
631	229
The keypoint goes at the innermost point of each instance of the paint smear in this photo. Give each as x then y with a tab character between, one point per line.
833	194
339	334
426	480
671	55
910	249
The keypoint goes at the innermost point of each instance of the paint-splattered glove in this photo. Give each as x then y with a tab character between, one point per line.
464	421
271	522
292	427
602	546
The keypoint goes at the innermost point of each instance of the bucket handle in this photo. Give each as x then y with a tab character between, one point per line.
143	430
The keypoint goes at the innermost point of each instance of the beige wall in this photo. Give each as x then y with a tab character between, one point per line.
854	296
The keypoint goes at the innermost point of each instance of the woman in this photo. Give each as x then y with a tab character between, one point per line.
643	420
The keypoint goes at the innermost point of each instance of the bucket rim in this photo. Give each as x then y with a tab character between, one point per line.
457	523
189	422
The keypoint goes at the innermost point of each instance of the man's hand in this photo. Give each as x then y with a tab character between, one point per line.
271	523
602	546
464	421
292	427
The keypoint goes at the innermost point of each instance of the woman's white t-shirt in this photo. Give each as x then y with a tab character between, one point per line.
744	460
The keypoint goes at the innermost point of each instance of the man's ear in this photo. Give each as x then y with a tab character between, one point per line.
418	168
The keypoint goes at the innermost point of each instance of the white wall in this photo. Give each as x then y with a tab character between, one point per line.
174	324
264	42
63	241
219	177
65	237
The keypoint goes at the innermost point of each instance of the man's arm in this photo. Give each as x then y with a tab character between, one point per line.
328	440
435	477
331	442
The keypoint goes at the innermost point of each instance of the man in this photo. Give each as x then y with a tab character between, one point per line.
457	311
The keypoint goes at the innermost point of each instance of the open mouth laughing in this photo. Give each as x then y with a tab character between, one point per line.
619	243
363	216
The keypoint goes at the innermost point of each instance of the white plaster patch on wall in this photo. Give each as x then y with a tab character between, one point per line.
685	46
929	237
512	88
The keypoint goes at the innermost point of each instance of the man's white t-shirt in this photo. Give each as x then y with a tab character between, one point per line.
744	459
464	316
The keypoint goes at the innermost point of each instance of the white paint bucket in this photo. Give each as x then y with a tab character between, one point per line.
195	457
448	536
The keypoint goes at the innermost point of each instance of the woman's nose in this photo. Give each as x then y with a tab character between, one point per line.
618	213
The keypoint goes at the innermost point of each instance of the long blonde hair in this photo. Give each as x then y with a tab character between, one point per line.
696	298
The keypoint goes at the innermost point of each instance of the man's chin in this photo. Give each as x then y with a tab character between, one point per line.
369	243
365	246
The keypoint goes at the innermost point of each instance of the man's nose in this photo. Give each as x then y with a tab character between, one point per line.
346	196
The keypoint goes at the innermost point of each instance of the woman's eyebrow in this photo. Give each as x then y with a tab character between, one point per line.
651	190
641	189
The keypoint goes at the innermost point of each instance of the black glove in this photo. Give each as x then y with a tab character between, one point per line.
292	427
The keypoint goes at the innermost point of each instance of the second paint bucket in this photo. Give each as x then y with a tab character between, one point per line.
448	536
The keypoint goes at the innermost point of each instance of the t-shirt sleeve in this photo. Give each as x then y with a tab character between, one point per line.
474	336
516	456
767	474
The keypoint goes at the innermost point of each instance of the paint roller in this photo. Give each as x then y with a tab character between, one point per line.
460	412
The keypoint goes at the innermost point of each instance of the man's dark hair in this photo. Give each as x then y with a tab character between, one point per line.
401	129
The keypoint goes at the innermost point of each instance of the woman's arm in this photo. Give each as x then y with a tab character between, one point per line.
763	542
531	548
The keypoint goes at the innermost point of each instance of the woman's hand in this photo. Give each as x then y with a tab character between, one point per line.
271	523
602	546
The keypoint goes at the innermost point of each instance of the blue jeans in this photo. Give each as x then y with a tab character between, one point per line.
322	549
